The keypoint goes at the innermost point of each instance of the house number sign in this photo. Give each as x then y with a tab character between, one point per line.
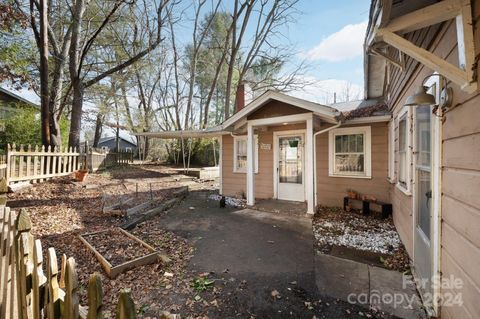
264	146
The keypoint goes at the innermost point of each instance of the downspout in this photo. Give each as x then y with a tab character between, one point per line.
315	154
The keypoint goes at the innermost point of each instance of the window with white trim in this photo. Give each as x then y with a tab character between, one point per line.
350	152
404	150
391	151
240	154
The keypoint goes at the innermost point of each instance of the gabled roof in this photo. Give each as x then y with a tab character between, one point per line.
18	97
352	105
326	112
379	110
362	111
108	138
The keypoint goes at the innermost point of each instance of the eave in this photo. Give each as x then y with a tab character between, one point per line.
385	31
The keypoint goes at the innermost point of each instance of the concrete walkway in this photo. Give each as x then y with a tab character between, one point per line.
265	261
373	287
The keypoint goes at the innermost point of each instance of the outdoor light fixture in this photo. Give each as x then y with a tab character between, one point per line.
421	97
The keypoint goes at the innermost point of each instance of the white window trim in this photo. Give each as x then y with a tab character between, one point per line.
366	130
244	138
407	189
391	151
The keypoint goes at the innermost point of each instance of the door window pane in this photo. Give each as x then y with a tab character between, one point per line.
423	168
290	160
424	201
423	135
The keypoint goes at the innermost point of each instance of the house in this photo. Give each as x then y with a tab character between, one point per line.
10	102
288	148
414	142
110	142
421	58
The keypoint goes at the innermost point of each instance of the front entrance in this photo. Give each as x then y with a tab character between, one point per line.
289	177
424	200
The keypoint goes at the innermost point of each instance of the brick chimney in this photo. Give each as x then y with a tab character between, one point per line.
240	97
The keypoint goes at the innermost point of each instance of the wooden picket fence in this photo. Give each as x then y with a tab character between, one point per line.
28	292
3	166
38	163
27	163
98	159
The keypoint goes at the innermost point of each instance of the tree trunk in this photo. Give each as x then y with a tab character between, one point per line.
45	112
98	129
74	68
76	117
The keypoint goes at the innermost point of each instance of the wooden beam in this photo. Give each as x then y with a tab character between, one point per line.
388	58
433	14
425	57
465	40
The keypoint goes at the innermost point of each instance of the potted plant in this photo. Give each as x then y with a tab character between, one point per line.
351	193
80	175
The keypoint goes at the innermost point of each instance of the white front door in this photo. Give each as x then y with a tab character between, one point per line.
290	162
424	200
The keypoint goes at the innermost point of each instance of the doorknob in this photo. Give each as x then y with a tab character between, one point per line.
429	196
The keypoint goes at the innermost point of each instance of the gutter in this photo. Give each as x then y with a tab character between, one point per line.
315	154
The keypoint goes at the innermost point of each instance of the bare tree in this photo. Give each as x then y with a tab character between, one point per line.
81	46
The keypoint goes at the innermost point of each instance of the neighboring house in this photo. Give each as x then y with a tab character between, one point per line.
434	166
110	142
10	103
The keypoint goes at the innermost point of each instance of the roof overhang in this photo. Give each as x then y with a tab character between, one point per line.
369	119
19	98
389	22
207	133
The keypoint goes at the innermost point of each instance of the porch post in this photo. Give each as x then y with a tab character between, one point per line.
220	163
309	158
250	166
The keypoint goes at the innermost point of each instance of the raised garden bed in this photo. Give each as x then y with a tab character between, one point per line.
118	251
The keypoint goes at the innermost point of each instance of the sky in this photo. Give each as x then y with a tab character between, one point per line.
328	35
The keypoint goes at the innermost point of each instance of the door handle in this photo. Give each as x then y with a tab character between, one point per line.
429	196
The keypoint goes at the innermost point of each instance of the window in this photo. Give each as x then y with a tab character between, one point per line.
404	151
350	152
391	151
240	154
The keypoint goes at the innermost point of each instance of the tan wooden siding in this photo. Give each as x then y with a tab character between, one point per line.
331	190
460	229
234	184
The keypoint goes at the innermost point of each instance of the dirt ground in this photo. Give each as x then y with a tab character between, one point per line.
61	210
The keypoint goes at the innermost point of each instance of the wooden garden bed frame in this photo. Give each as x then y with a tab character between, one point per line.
114	271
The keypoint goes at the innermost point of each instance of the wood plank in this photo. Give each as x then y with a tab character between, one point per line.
425	57
463	218
462	250
427	16
469	291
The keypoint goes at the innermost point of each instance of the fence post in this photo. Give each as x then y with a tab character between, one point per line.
125	306
3	191
95	297
24	264
53	291
38	279
71	303
8	281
